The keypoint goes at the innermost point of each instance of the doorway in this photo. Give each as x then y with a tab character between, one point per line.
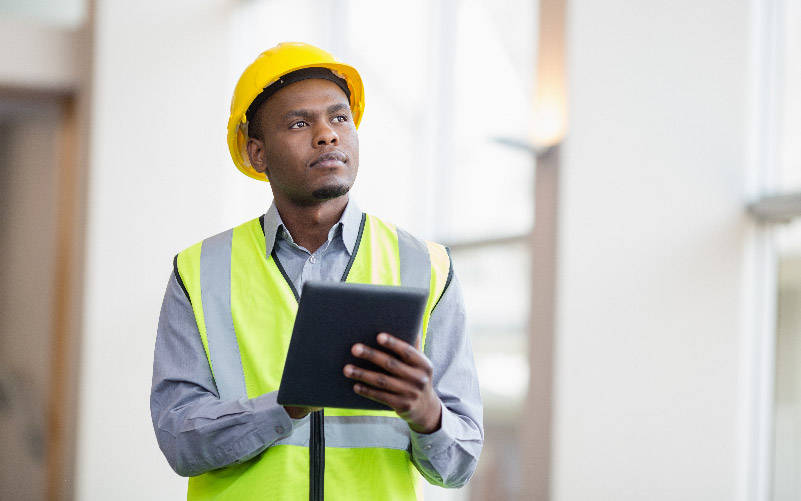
38	297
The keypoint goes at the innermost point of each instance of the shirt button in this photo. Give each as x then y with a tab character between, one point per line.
279	429
427	447
312	259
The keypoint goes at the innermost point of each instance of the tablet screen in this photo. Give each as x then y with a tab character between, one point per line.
332	317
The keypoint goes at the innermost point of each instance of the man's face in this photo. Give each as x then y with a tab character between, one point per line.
310	147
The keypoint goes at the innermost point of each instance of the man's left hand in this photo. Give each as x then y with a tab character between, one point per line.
408	388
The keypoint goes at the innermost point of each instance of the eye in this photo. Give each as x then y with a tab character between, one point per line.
298	125
340	118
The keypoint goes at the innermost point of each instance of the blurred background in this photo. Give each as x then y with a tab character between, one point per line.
619	183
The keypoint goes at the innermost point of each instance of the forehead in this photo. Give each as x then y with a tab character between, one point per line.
305	95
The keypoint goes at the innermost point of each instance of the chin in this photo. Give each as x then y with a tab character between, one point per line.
331	192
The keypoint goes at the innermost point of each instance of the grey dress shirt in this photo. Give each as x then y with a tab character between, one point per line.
198	432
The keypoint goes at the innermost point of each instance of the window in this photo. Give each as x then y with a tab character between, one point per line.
787	417
448	98
780	208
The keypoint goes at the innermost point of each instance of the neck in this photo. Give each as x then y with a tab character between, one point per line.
309	224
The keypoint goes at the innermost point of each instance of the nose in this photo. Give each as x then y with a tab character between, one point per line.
325	135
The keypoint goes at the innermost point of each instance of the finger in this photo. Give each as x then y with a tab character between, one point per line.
406	352
390	363
381	381
296	412
391	400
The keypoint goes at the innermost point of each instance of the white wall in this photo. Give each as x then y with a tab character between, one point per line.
159	108
652	261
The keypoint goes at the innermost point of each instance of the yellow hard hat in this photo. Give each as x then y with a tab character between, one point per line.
268	68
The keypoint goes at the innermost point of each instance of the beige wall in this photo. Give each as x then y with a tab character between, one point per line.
38	55
43	68
29	163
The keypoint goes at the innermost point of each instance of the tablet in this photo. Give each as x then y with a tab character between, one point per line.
332	317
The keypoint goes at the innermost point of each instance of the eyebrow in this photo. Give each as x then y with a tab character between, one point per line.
306	114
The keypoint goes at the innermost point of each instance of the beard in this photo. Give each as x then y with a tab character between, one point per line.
330	192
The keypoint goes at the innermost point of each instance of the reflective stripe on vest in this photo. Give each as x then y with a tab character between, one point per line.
355	431
215	280
415	265
245	309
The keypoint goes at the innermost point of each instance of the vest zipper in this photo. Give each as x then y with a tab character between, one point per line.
317	420
316	456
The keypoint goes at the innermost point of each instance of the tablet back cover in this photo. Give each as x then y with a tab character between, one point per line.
332	317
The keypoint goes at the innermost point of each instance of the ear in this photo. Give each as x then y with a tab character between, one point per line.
255	149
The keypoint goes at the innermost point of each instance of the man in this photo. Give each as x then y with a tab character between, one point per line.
230	304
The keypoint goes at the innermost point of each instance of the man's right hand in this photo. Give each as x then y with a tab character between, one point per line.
299	412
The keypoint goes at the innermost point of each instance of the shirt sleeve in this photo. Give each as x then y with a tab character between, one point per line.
195	429
448	457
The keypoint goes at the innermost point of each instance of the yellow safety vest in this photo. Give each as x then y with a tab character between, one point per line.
245	308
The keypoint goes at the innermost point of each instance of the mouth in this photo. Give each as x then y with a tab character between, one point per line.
329	159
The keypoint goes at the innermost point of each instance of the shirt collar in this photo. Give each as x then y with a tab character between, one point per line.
350	222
